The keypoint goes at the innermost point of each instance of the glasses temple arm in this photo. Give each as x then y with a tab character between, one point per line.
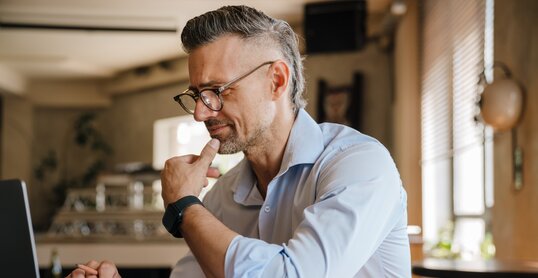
225	86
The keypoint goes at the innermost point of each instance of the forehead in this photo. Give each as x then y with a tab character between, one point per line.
219	60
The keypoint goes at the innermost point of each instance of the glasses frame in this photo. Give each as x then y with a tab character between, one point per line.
195	94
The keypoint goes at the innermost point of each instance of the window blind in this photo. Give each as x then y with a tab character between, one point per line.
452	60
452	142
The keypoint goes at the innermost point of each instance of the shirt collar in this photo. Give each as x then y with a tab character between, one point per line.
304	146
305	143
244	186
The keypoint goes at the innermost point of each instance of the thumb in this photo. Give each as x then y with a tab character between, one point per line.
209	152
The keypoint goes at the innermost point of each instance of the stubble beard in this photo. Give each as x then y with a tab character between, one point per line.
231	143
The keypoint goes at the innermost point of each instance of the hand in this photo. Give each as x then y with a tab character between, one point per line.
187	175
94	269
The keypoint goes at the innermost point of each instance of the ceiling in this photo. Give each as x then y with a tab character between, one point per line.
36	53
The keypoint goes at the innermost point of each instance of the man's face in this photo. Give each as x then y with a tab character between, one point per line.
246	116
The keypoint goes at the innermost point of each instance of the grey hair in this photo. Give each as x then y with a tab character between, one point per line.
249	23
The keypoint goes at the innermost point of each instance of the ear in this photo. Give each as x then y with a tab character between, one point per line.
279	79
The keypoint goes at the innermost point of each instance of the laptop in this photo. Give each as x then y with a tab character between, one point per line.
17	246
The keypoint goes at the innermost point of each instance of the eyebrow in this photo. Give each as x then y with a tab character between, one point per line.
210	84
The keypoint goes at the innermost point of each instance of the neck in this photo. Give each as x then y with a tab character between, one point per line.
266	157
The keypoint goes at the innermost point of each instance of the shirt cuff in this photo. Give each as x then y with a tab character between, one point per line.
247	257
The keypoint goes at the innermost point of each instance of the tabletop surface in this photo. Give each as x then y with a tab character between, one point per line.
482	268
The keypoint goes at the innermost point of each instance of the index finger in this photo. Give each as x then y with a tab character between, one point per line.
77	273
209	151
87	269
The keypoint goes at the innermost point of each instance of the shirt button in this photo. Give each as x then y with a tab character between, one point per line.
267	209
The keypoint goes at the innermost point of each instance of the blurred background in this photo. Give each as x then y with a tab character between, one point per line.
87	116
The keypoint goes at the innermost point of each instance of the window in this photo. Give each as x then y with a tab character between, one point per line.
456	150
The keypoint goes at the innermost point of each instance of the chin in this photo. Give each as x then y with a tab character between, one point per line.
226	149
229	143
230	147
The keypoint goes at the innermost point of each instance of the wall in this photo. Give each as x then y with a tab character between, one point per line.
337	69
406	117
16	144
515	221
54	132
17	138
129	121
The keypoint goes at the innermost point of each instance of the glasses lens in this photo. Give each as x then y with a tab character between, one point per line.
188	103
211	100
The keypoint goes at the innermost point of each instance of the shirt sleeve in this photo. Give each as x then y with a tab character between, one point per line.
359	202
187	267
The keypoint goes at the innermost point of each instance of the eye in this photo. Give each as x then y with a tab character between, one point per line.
226	92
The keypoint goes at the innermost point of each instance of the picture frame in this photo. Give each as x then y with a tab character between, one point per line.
341	104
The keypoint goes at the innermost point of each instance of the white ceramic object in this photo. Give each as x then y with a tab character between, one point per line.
502	104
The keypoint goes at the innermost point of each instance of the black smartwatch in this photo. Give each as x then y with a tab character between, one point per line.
173	215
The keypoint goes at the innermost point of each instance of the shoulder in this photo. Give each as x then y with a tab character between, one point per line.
341	141
351	158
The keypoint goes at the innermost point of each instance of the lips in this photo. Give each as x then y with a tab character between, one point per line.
216	129
215	126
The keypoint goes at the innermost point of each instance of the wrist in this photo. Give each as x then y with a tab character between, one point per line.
178	196
173	215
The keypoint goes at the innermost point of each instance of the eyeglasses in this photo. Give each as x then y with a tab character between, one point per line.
211	97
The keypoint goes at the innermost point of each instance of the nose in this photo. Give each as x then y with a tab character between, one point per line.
202	112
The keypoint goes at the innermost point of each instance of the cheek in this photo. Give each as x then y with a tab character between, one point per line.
249	108
246	118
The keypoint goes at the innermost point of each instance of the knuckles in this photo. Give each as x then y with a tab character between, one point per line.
108	267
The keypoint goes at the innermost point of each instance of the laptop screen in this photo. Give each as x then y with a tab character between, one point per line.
17	247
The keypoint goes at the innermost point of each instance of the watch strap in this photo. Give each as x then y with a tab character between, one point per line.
174	213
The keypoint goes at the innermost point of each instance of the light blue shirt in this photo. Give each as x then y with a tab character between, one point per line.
336	208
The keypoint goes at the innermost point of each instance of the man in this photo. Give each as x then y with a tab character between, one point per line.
308	200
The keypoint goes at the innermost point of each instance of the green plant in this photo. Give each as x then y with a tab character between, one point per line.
445	248
87	141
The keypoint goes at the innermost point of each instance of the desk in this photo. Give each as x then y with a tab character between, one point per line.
134	259
126	255
463	269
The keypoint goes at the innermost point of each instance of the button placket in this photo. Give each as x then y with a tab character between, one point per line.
265	219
